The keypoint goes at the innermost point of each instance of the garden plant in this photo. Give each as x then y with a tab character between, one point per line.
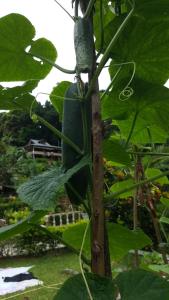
127	124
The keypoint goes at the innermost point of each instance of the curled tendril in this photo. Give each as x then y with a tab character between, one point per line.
128	91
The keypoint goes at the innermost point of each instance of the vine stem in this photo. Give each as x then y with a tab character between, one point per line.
64	10
132	128
107	52
149	153
59	134
50	62
89	9
101	30
132	187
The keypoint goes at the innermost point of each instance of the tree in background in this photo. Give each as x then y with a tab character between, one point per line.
16	127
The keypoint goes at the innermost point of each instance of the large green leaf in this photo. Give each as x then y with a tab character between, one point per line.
150	102
151	172
112	150
101	288
159	268
121	239
9	231
140	42
41	191
57	96
142	285
18	97
152	9
120	185
16	35
145	130
164	201
164	220
23	102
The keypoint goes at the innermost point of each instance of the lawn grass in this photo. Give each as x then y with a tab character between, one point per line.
48	268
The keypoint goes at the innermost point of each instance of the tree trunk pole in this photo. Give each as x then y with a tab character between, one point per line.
100	258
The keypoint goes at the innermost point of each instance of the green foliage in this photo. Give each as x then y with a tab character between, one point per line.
57	96
121	239
74	288
115	152
150	172
17	128
41	191
16	34
140	284
122	185
8	231
143	43
15	216
18	97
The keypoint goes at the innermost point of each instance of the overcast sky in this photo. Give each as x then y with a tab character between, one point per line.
51	22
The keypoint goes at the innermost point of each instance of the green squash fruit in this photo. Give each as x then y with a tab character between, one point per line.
83	42
73	129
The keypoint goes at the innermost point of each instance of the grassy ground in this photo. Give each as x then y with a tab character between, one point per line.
48	268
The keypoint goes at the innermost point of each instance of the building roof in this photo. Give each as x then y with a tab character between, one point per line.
41	144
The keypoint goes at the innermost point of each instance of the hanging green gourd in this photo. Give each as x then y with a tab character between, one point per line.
83	42
76	187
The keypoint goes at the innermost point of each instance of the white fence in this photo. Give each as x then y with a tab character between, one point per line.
64	218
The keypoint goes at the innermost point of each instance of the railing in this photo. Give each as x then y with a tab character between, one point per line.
64	218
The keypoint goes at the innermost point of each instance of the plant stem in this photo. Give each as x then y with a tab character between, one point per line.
60	135
156	226
110	85
50	62
107	53
149	153
64	9
135	213
132	129
132	187
101	30
100	258
89	9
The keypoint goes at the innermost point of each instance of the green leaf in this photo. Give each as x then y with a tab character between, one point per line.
140	42
101	288
16	35
164	220
121	239
164	201
122	185
57	96
9	231
152	9
18	97
41	191
142	129
159	268
73	236
151	172
23	102
142	285
112	150
149	101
